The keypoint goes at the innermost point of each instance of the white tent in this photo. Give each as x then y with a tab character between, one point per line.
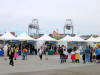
66	38
76	38
64	41
98	39
7	36
39	44
24	37
92	39
46	37
42	39
69	38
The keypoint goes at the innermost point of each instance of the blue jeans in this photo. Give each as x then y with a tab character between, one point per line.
61	59
87	57
23	56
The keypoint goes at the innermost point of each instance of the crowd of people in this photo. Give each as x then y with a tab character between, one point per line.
89	54
12	52
75	54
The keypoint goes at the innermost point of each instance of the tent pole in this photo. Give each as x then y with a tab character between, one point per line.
4	43
21	47
5	51
67	45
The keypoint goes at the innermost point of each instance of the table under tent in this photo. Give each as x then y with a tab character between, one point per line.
5	38
27	42
70	42
47	40
21	41
93	41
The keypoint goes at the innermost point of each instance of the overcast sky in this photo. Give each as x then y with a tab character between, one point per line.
16	15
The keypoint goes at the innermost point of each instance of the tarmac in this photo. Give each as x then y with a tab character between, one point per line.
34	66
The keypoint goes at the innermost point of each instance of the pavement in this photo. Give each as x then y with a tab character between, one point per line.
34	66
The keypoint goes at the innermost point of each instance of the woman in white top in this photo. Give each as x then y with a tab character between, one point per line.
41	53
65	55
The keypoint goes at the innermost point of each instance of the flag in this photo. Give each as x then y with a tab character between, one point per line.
27	41
10	41
97	44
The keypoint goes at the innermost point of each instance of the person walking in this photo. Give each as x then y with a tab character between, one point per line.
16	54
61	54
46	51
83	57
11	55
94	55
91	54
87	54
98	55
5	48
24	51
41	53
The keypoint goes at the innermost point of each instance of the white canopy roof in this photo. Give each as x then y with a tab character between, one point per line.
77	38
66	38
7	36
98	39
92	39
24	36
46	37
69	38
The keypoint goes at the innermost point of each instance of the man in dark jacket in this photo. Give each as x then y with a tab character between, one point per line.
61	54
46	51
11	55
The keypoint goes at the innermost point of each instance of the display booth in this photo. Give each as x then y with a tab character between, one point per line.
46	39
25	41
52	47
70	42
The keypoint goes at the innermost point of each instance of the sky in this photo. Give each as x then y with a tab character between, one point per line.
16	15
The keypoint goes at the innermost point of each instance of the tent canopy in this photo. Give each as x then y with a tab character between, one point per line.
7	36
92	39
66	38
77	38
69	38
98	39
24	37
46	37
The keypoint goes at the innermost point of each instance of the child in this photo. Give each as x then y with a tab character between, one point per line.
73	56
24	55
16	54
77	56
